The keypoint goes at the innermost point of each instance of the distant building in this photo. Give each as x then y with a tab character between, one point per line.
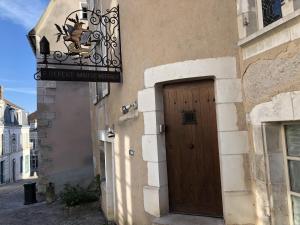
32	119
14	144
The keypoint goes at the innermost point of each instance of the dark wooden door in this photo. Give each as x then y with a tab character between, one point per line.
192	149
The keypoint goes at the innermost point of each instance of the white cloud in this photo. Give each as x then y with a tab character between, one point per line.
29	91
12	81
24	12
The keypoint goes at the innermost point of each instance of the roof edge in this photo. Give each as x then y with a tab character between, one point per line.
34	31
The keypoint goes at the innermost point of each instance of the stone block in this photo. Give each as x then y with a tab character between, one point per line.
43	123
152	121
49	99
234	174
156	200
40	91
46	115
239	208
157	174
279	109
217	67
296	104
228	91
149	100
227	117
235	142
154	149
40	99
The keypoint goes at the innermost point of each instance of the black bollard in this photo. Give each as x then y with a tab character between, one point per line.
29	193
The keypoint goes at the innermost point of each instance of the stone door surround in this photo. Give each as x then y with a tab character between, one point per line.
238	204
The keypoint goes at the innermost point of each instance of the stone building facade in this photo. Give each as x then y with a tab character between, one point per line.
165	43
249	48
14	145
269	56
64	133
204	122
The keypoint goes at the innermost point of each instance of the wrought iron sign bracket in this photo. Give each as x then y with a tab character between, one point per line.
89	50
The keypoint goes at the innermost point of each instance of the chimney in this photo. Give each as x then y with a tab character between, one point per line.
1	92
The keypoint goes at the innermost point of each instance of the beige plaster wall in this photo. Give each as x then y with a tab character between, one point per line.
156	33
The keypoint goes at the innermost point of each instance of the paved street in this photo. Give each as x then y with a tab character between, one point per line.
14	212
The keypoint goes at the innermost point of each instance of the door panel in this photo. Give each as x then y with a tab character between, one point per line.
192	148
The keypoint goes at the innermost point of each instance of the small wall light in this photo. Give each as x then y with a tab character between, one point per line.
110	133
126	108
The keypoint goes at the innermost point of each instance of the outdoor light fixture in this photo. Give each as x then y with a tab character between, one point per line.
126	108
44	48
110	133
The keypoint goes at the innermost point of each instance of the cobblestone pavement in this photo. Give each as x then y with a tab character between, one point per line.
14	212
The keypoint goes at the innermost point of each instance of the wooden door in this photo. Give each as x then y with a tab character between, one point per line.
192	149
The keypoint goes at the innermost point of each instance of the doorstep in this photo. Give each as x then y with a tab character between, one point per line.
179	219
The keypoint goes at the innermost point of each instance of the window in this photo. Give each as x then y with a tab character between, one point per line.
292	139
21	164
271	11
34	162
14	143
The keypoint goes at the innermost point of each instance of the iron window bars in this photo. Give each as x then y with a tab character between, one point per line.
271	11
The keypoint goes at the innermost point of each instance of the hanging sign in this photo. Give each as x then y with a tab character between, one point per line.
79	75
90	49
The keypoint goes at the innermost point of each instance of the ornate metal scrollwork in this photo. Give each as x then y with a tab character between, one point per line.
96	44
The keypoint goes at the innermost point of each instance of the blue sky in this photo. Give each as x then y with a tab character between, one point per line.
17	62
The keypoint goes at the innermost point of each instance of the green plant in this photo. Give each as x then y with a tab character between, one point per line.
76	195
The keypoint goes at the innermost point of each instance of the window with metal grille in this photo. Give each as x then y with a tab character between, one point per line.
271	11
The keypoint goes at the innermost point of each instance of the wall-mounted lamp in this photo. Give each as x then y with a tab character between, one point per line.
110	133
126	108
